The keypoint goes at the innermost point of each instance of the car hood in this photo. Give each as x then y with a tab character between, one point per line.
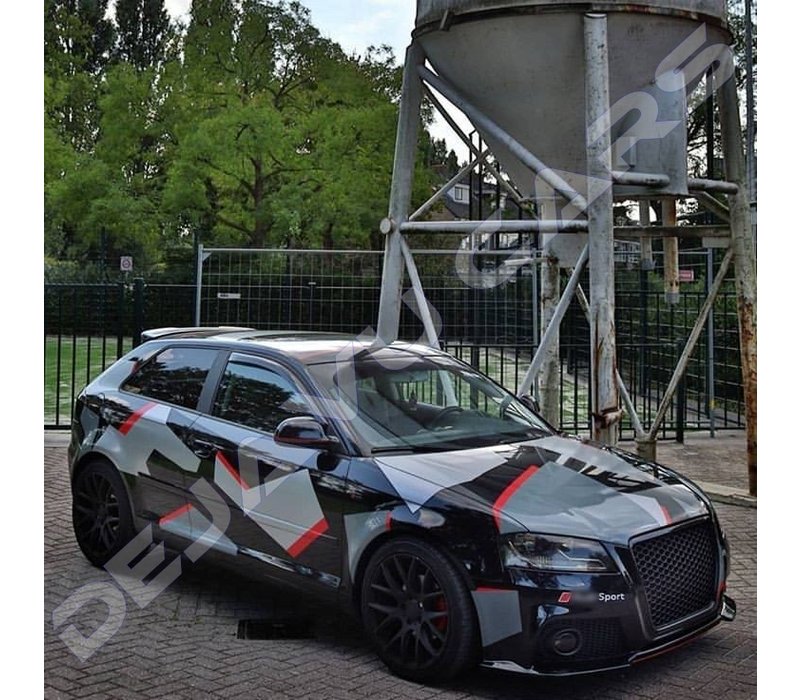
554	484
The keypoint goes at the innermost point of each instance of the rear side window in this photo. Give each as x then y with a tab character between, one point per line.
175	375
257	397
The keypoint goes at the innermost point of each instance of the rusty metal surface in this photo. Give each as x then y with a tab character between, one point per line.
744	263
549	377
605	393
672	287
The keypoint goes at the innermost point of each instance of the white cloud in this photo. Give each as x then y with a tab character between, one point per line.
179	9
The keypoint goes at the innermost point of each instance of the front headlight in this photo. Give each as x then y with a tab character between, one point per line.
555	553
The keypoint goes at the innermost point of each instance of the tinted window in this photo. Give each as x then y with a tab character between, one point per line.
175	375
425	404
257	397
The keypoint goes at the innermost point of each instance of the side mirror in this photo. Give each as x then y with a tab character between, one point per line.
529	402
304	431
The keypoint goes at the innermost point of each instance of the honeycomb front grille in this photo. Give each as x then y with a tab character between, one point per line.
678	571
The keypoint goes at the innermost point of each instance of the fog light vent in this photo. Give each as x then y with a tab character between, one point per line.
566	642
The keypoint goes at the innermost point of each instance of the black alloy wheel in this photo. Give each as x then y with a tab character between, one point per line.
101	515
418	612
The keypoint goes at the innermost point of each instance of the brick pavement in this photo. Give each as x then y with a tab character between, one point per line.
183	645
718	460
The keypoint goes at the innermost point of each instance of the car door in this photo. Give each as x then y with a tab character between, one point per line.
148	419
285	502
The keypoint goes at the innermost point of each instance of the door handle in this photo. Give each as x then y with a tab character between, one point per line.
202	448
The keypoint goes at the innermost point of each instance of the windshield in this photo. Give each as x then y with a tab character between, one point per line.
424	403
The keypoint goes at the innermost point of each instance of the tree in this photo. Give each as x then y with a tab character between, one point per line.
143	31
696	124
246	125
77	36
294	144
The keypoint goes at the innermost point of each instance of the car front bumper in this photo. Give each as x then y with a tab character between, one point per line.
668	587
546	665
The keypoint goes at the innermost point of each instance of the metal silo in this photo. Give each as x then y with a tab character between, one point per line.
580	103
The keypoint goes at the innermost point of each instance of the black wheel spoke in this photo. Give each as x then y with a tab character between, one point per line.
434	614
384	589
401	571
417	641
386	620
411	573
85	510
427	644
434	630
386	609
390	579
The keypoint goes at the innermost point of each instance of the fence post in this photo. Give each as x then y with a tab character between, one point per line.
680	398
138	310
198	279
710	379
312	287
120	317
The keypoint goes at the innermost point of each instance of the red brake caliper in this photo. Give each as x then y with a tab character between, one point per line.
440	606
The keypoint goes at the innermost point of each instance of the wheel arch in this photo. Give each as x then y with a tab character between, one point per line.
404	531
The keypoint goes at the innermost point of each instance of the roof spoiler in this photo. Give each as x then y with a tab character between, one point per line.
190	332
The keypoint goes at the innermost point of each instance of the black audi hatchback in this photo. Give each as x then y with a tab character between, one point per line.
405	485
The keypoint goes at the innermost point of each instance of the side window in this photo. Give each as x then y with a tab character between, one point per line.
175	375
257	397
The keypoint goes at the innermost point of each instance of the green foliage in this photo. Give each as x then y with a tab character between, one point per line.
143	31
246	126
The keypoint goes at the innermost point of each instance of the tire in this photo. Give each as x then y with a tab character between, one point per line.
418	613
101	513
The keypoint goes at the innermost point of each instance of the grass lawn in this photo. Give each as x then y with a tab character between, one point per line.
69	365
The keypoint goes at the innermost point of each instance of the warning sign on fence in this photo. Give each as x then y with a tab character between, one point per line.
686	275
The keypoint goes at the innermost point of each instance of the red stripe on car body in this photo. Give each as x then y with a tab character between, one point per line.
132	419
174	514
302	544
510	490
666	515
231	470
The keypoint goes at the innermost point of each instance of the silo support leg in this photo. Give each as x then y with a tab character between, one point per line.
744	263
549	379
400	197
638	430
671	251
605	411
423	308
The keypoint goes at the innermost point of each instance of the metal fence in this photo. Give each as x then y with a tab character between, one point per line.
488	311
